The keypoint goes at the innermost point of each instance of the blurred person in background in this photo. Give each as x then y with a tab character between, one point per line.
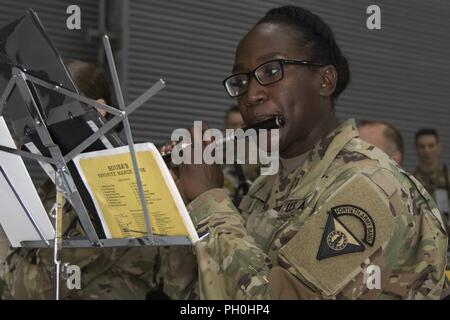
383	136
433	174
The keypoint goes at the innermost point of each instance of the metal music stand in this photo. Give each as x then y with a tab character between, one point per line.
65	186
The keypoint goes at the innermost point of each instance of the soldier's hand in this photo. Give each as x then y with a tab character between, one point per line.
196	179
168	147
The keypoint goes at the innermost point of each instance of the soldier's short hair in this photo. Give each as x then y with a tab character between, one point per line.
316	37
390	132
92	82
89	79
427	132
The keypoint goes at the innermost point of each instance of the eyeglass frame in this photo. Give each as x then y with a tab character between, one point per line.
282	62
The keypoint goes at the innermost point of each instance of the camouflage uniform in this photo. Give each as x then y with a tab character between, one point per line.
232	180
4	245
433	180
106	273
322	231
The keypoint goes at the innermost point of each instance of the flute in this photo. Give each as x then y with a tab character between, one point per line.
272	123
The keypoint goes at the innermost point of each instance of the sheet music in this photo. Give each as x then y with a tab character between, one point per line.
110	180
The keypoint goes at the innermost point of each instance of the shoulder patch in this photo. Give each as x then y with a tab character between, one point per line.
337	239
360	214
348	228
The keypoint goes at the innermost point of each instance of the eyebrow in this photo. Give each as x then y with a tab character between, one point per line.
261	59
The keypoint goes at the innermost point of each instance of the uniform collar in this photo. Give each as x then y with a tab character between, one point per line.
317	161
290	164
327	148
321	156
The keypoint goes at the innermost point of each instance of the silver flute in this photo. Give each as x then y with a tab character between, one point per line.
272	123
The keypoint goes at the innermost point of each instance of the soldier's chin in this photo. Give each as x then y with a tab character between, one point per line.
269	142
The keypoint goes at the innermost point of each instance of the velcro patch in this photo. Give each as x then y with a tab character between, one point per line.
331	246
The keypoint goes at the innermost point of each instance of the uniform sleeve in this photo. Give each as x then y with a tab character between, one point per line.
365	239
231	266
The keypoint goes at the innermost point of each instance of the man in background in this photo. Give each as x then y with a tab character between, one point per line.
383	136
233	118
433	174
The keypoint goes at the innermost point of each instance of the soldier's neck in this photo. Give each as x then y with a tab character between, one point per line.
290	164
302	146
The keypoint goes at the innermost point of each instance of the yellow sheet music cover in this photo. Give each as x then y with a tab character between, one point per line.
111	182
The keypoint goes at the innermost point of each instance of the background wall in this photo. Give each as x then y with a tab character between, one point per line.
400	73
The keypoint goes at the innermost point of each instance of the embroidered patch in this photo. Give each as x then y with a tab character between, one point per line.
337	239
362	216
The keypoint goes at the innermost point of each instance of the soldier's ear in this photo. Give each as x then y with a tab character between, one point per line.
397	157
328	80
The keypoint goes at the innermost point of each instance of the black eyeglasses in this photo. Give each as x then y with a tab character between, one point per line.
267	73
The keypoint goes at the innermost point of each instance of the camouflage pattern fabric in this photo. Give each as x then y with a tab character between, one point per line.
231	180
434	180
346	224
106	273
179	273
4	247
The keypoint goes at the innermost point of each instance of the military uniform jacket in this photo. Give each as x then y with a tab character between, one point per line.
106	273
434	180
437	179
348	223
